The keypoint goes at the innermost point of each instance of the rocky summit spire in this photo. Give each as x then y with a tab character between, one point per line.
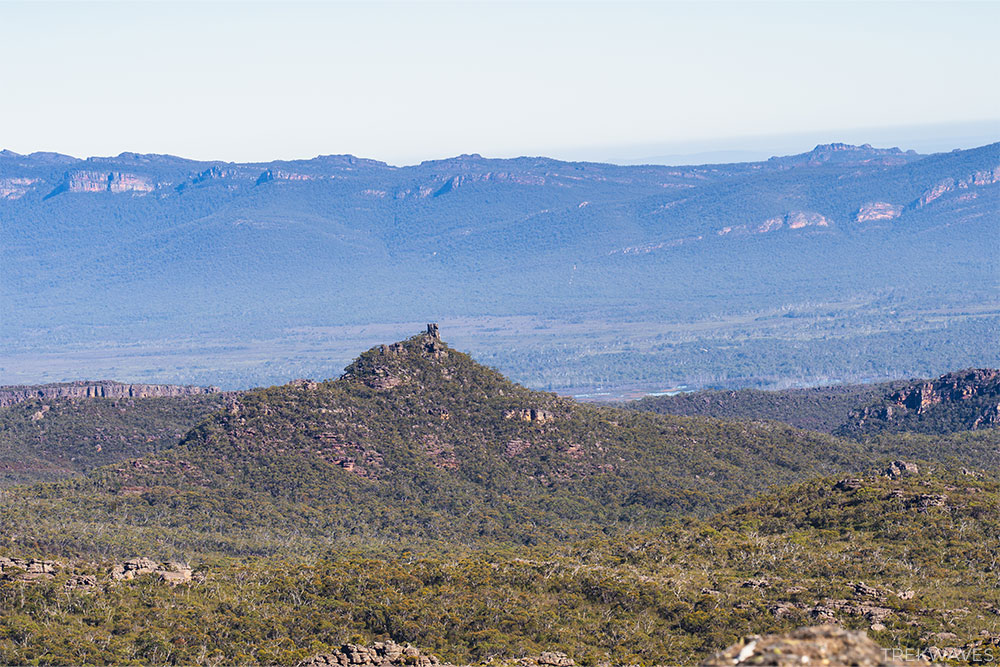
432	331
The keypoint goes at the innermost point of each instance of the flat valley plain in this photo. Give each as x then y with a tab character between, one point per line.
801	344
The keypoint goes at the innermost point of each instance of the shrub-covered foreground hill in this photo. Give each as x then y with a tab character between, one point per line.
911	560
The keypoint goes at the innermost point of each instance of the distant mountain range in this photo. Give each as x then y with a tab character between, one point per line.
159	259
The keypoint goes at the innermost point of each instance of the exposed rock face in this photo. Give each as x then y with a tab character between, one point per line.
115	181
170	573
959	386
282	175
530	415
899	469
973	396
15	188
379	654
101	389
794	220
879	210
977	179
818	645
28	569
800	219
229	174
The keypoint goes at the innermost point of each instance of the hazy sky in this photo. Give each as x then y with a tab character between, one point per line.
403	82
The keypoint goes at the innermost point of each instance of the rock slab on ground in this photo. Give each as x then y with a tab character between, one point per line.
828	645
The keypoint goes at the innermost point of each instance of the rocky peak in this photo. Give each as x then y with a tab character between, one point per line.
846	154
388	366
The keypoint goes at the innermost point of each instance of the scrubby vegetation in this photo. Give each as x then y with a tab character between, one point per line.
874	556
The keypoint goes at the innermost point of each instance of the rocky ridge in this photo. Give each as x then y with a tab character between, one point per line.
31	570
976	179
969	399
11	395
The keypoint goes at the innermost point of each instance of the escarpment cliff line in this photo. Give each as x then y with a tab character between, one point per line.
11	395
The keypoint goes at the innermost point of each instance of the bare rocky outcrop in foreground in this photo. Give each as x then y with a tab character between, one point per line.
170	573
379	654
819	645
28	569
391	654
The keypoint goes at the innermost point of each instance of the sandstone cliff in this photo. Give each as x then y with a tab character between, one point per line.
962	400
101	389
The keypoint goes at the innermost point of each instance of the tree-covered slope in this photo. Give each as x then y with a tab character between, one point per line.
417	442
52	438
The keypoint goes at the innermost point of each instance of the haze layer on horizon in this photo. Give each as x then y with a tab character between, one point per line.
406	82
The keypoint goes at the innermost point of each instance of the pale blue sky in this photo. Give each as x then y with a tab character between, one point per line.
404	82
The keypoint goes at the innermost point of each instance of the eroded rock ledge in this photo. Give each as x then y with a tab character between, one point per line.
101	389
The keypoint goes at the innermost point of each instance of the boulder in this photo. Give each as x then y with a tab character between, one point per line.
899	469
849	484
379	654
172	573
555	659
